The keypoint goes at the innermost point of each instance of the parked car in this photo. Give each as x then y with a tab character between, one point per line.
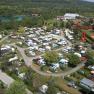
72	84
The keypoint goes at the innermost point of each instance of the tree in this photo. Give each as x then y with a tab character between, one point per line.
51	57
26	22
62	24
29	76
21	29
69	24
90	54
16	88
90	62
73	59
77	33
52	87
90	57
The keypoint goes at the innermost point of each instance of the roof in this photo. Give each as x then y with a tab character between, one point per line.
12	59
5	78
87	82
63	61
79	55
71	14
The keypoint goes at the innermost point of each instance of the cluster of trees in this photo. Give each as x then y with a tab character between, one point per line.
47	9
51	57
26	21
17	87
52	87
73	60
90	57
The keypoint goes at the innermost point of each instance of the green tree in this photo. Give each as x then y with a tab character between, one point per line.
26	22
90	62
51	57
52	90
90	54
77	33
16	88
90	57
21	29
62	24
69	24
29	76
52	87
73	59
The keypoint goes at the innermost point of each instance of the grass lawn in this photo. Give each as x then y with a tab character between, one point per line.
76	77
39	80
61	83
1	91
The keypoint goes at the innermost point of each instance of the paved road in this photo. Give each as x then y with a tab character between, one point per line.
28	62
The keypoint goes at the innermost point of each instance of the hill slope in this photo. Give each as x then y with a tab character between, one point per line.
49	6
44	2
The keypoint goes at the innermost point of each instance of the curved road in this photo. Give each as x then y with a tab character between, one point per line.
28	62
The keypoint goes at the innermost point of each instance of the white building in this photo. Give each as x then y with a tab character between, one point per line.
54	66
78	54
71	16
43	89
21	75
68	34
41	62
13	59
7	48
63	61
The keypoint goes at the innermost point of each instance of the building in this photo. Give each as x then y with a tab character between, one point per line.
13	59
71	16
43	89
60	17
54	67
87	84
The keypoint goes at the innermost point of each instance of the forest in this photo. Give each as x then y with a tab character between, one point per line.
54	7
47	9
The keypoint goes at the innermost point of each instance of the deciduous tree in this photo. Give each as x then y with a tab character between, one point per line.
51	57
16	88
73	59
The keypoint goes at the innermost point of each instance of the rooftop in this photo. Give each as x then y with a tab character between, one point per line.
87	82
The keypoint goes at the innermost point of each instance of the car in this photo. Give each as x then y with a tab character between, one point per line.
72	84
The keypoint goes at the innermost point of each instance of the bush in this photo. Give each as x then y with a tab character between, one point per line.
67	78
